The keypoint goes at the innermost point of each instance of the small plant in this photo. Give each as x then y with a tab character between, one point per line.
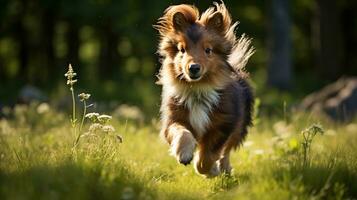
82	97
308	136
99	122
256	119
71	81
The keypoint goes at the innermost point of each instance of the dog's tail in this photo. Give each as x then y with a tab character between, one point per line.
241	52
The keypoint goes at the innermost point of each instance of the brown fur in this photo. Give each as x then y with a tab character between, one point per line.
213	112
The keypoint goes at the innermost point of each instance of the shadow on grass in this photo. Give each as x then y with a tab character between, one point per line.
71	181
323	181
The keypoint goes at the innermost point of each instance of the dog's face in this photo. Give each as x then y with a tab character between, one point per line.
197	46
198	53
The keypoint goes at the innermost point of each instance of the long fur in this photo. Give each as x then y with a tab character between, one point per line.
213	112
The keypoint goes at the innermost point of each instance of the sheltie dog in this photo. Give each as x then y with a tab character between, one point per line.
206	105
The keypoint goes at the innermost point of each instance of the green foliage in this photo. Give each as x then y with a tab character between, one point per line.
115	45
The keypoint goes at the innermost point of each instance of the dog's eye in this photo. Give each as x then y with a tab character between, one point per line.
182	50
208	51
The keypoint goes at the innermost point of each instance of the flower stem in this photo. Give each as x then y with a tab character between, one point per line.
84	114
81	126
73	107
73	121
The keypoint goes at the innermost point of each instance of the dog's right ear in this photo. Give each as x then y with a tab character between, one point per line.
179	22
177	19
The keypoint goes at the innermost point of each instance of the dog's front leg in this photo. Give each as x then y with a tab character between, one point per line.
182	143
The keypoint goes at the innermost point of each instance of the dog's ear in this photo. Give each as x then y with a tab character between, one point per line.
217	19
177	18
179	21
216	22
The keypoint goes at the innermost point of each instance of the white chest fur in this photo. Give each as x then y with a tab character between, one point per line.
199	102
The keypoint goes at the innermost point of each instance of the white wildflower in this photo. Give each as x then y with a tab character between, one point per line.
83	96
104	118
95	127
92	116
108	128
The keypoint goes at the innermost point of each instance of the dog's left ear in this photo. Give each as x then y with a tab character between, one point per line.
216	22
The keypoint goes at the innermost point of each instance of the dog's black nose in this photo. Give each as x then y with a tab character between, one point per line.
194	70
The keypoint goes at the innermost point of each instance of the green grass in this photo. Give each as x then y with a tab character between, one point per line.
36	162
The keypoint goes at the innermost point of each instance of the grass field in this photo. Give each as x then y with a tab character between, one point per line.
37	162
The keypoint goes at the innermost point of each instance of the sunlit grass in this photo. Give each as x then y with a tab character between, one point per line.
36	162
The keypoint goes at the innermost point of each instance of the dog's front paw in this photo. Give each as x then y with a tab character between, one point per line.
185	157
183	147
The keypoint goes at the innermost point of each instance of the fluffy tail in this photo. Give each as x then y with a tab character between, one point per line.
241	52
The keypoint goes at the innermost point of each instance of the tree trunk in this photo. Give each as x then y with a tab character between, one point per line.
326	33
23	53
108	60
20	34
279	64
48	49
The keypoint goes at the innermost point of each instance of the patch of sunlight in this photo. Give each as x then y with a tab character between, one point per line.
293	143
5	127
8	54
59	42
283	129
109	87
125	47
12	67
6	46
125	111
248	143
132	65
89	50
330	132
43	108
148	66
147	92
351	128
252	13
259	151
86	33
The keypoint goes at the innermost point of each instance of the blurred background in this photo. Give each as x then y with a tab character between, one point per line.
301	46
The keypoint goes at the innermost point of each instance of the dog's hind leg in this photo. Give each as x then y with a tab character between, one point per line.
224	164
233	142
205	162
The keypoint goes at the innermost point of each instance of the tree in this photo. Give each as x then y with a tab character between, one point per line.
279	64
326	33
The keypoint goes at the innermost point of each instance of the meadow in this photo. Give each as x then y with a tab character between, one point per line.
38	161
49	151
